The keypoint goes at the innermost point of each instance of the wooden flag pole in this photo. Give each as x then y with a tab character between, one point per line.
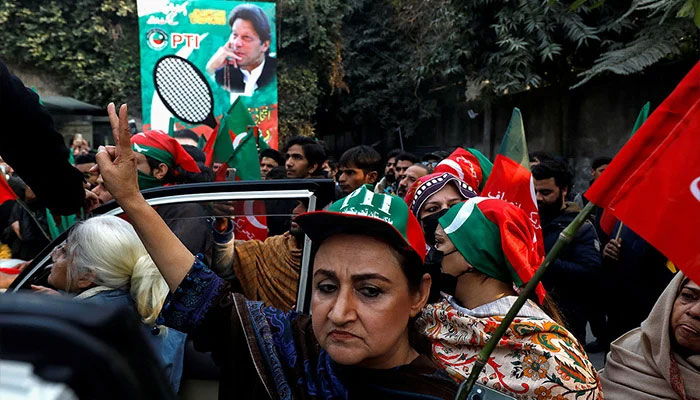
619	231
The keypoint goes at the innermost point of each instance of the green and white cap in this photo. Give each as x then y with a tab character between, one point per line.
367	213
496	238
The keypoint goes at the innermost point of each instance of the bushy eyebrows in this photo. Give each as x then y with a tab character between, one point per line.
324	273
695	290
438	203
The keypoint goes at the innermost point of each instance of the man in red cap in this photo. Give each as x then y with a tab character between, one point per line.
160	161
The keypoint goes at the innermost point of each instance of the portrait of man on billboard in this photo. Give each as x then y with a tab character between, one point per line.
243	64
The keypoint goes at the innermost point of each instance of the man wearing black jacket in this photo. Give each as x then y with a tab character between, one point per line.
571	276
35	150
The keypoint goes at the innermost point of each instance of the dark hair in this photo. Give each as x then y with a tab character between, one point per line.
206	174
549	306
363	157
393	154
185	134
194	152
313	151
406	156
256	16
540	156
279	172
427	169
332	162
169	176
600	161
176	175
273	154
17	185
553	169
85	158
432	155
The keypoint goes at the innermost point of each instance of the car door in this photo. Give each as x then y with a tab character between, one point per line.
242	194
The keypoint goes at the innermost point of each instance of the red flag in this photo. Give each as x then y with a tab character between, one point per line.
468	165
653	184
6	192
607	220
511	179
233	144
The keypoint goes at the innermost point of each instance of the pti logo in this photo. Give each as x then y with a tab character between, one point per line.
157	39
695	188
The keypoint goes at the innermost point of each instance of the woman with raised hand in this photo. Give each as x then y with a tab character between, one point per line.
368	285
487	247
104	262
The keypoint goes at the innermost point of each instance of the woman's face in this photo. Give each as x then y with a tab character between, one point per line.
361	302
442	200
58	278
452	263
685	318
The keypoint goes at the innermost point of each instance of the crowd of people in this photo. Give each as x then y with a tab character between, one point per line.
412	271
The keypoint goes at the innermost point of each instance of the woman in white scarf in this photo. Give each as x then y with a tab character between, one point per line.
661	358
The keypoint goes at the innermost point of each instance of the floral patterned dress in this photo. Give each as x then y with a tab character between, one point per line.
536	358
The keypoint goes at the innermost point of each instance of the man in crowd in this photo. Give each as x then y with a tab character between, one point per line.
269	159
403	161
432	159
304	158
243	64
186	137
84	164
578	265
359	165
597	167
330	167
388	183
412	174
267	271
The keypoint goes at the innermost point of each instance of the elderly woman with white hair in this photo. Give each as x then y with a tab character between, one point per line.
103	261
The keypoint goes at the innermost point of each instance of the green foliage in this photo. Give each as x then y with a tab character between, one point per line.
310	59
90	46
298	96
373	65
663	30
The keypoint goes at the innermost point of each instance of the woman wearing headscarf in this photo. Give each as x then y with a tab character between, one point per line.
104	262
455	179
487	247
661	358
431	196
368	284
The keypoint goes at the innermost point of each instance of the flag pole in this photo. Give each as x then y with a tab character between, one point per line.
33	217
565	237
619	231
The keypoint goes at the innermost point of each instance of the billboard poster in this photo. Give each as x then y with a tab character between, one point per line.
232	45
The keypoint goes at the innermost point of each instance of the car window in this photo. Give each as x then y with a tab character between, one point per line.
192	211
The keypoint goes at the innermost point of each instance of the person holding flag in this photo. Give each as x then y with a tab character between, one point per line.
488	249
